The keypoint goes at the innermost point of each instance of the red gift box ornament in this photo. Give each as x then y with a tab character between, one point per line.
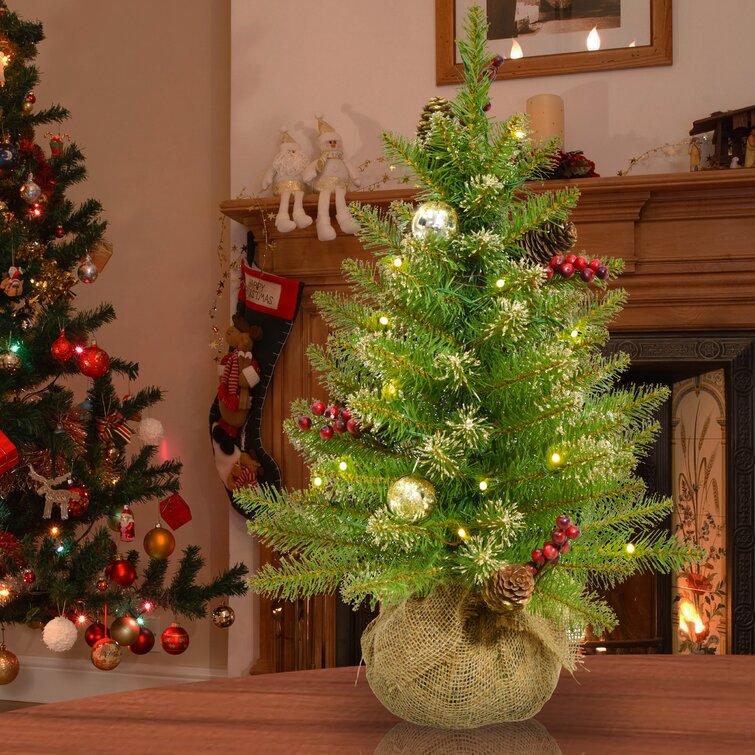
175	511
9	454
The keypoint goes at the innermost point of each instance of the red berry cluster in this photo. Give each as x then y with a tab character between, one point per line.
561	536
571	264
341	419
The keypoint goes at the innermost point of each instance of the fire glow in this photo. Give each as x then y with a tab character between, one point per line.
690	622
593	39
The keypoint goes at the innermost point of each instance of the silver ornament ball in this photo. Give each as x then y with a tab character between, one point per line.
411	497
435	219
223	616
30	191
87	271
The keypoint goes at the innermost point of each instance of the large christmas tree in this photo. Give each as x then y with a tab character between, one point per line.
475	436
70	466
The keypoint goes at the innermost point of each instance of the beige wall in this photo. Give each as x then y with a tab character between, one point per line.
370	65
147	85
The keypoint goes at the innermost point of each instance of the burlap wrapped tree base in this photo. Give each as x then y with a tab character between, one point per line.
447	661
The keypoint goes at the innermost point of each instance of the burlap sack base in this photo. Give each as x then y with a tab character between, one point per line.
446	661
516	738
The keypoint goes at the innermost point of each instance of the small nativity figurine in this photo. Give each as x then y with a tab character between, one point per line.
330	174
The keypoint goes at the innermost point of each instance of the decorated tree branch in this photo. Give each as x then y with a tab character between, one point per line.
72	467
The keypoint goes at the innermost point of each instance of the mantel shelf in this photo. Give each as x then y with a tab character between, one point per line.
687	240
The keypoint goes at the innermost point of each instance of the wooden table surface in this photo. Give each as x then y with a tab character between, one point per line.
617	704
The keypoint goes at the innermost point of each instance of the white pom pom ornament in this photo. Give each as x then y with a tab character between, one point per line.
59	634
151	431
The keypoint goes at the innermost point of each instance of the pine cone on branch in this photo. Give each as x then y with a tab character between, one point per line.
434	105
509	589
542	244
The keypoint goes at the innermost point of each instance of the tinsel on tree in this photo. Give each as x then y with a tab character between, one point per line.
78	456
474	431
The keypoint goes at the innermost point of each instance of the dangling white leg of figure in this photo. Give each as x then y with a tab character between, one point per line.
300	217
325	231
282	220
346	223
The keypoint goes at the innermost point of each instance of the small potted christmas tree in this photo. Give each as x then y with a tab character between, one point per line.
473	469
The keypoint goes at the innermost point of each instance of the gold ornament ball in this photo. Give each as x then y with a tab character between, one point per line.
9	665
106	654
411	497
10	361
159	543
125	630
27	106
112	453
223	616
435	219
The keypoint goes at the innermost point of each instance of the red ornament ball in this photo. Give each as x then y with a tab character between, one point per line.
123	572
331	412
94	362
571	258
304	422
532	568
318	407
567	270
353	427
174	640
28	576
345	415
62	349
144	642
565	547
102	585
326	432
587	274
93	633
59	231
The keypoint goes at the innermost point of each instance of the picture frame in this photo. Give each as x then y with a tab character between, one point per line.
657	52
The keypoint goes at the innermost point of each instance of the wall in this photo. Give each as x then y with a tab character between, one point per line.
369	66
147	87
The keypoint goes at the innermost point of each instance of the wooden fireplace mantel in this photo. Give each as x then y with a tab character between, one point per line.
687	240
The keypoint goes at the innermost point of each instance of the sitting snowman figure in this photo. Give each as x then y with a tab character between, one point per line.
329	174
285	176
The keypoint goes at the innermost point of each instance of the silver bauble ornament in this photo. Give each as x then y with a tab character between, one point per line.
9	361
30	192
223	616
411	497
87	271
435	219
59	634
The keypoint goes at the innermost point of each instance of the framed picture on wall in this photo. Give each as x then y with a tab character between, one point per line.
549	37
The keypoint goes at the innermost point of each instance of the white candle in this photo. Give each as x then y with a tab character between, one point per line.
546	113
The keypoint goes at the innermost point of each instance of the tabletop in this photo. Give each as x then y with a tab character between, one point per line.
614	704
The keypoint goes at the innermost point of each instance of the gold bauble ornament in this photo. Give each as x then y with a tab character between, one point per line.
125	630
435	220
106	654
9	361
27	106
159	542
223	616
111	454
9	665
411	497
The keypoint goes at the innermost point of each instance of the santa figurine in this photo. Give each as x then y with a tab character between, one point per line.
285	176
126	525
330	174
